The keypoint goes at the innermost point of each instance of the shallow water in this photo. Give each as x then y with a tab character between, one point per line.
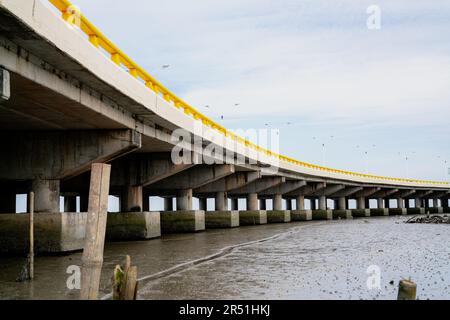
313	260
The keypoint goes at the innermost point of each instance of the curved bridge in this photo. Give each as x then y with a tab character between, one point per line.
70	98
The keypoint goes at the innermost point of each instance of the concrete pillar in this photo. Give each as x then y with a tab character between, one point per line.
252	202
380	203
168	204
70	204
400	203
418	202
221	201
444	203
387	203
367	203
361	203
46	195
203	204
342	203
277	202
322	203
288	204
313	203
235	204
131	200
262	204
435	203
300	202
184	199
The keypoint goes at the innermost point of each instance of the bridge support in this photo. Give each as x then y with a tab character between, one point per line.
252	217
182	221
222	219
277	202
262	204
252	202
46	195
168	204
132	199
221	201
300	202
322	203
184	200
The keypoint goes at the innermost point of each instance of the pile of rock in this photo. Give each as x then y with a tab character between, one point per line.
429	219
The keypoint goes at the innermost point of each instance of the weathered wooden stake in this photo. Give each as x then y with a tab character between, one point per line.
406	290
125	281
94	242
31	253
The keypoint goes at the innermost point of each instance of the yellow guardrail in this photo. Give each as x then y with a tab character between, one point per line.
71	15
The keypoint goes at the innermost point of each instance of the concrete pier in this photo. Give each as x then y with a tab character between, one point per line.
300	202
221	201
221	219
379	212
184	200
342	214
133	226
46	193
182	221
360	213
415	211
252	217
277	202
252	202
278	216
397	211
322	214
301	215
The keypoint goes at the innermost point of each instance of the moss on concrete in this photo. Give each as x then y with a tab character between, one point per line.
301	215
342	214
133	226
221	219
360	213
379	212
415	210
278	216
251	218
182	221
322	214
397	211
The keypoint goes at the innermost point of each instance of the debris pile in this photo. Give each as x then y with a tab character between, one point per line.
429	219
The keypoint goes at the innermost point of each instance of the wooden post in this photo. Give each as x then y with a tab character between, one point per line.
94	242
125	281
406	290
31	253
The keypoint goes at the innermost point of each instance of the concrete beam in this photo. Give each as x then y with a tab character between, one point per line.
308	190
328	190
258	186
234	181
5	86
348	191
193	178
61	154
143	169
438	195
366	192
403	193
283	188
384	193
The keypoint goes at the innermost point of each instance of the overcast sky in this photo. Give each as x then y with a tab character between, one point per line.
310	68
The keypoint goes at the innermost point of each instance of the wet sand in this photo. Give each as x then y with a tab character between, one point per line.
313	260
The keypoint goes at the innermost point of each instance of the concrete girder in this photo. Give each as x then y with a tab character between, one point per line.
423	193
193	178
438	195
403	193
56	155
308	190
259	185
143	169
283	188
348	191
328	190
384	193
231	182
366	192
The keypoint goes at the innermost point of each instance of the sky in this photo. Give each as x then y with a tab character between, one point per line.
341	94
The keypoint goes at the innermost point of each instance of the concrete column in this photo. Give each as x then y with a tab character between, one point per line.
313	203
221	201
322	203
70	204
131	200
418	203
235	204
184	199
168	204
435	203
400	203
252	202
262	204
288	204
277	202
444	203
300	201
342	203
387	203
361	203
46	195
203	204
380	203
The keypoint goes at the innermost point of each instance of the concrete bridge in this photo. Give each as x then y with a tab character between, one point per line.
70	98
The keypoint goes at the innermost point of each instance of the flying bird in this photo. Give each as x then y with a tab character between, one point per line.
165	66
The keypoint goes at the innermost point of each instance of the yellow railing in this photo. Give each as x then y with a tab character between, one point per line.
71	15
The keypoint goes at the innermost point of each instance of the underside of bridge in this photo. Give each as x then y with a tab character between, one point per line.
58	117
